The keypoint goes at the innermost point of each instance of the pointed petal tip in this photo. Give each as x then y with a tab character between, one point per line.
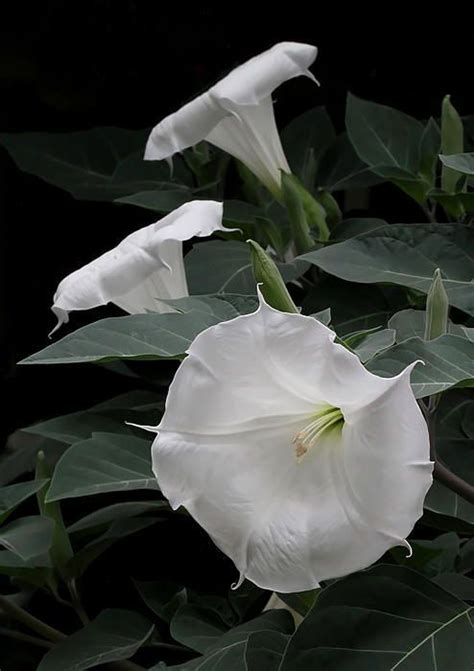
144	427
236	585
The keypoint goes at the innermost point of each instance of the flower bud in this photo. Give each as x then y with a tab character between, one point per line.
304	213
267	274
437	308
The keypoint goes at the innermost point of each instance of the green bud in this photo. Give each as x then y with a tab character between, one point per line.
331	206
452	142
437	308
267	274
304	213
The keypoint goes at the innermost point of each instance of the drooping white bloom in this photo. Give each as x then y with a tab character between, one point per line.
300	464
236	114
145	267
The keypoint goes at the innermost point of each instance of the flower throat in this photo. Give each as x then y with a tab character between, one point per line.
322	422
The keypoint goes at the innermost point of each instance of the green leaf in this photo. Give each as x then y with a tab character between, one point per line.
98	164
141	407
163	598
13	495
301	602
351	228
197	627
340	168
112	636
374	343
117	531
228	651
410	323
430	143
304	141
384	619
454	439
115	512
449	361
61	550
406	255
141	336
463	163
264	651
28	537
104	463
459	585
452	142
384	138
225	267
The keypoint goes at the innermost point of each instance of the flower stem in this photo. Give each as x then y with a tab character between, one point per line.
77	603
25	638
441	473
52	635
30	621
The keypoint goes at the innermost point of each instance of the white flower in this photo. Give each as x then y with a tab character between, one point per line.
300	464
236	114
145	267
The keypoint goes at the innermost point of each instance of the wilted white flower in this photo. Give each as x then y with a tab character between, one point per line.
145	267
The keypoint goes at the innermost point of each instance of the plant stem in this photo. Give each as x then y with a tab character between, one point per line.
77	603
43	629
441	473
30	621
25	638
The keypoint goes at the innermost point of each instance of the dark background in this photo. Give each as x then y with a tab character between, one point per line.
74	65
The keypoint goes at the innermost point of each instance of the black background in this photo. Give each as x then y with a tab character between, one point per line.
74	65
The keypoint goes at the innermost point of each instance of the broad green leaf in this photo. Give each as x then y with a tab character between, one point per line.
118	530
13	495
454	439
441	554
351	228
141	336
114	635
141	407
384	138
463	163
449	361
459	585
197	627
301	602
228	652
410	323
225	267
163	598
264	651
304	141
160	201
236	212
340	168
104	463
406	255
374	343
115	512
98	164
387	618
28	537
353	309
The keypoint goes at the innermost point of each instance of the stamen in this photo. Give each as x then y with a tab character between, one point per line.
322	422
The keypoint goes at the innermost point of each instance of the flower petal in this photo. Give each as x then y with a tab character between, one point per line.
146	266
260	76
251	135
184	128
224	450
